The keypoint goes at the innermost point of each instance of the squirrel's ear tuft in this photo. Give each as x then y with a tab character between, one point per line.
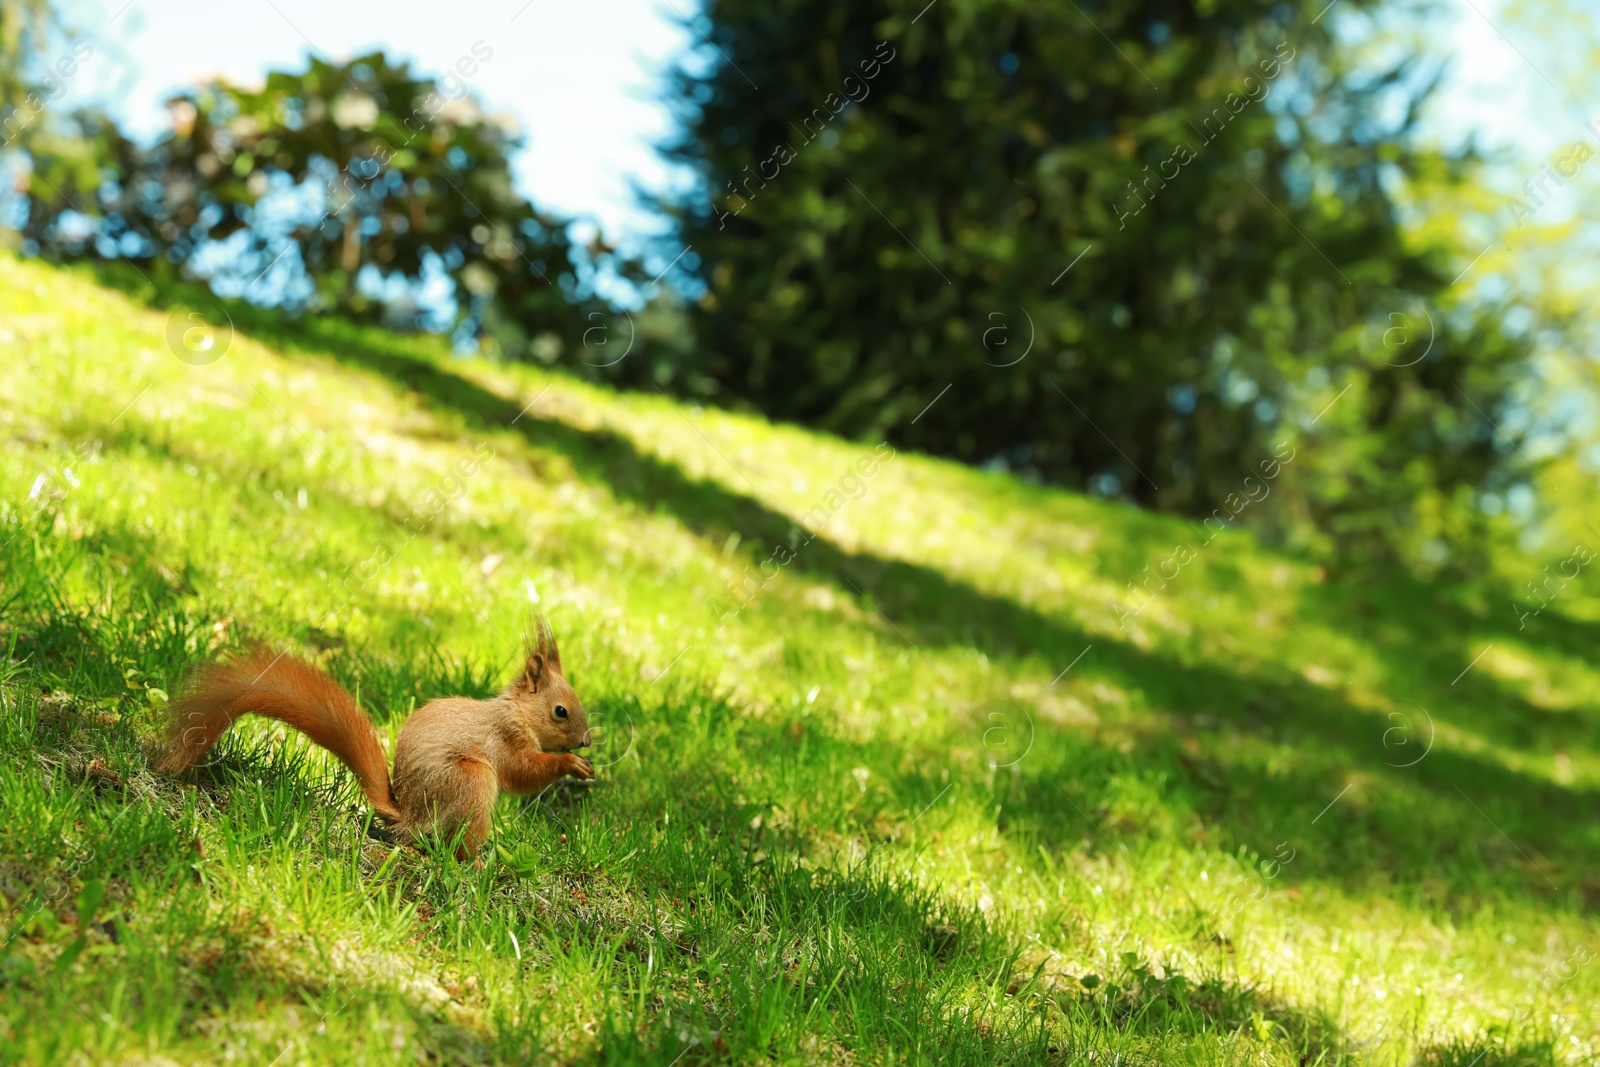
543	657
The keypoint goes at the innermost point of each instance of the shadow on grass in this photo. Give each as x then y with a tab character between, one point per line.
857	918
1535	1053
1141	1002
1451	812
876	966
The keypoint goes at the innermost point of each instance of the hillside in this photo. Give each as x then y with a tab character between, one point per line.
920	794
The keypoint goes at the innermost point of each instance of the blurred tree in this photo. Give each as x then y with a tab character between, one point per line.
1537	201
26	27
343	187
38	59
1131	245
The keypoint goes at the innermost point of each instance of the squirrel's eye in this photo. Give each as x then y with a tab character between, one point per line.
561	712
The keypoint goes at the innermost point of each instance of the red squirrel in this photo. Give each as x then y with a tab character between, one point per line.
454	756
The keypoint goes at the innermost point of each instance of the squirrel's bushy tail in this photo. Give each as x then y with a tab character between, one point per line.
282	687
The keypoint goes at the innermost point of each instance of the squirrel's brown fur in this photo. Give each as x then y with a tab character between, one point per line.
454	755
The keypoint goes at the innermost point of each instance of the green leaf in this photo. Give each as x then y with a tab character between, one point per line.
72	952
89	901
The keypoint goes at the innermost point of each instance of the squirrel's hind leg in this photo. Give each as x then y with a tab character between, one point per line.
457	800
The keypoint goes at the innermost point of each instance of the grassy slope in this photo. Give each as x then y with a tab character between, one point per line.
857	821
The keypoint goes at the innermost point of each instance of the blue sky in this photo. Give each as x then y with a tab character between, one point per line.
584	79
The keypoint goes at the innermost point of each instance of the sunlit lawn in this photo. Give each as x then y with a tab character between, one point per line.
914	795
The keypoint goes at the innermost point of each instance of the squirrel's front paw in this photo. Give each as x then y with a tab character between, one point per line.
579	767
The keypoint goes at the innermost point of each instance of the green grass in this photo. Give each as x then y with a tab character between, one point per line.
865	819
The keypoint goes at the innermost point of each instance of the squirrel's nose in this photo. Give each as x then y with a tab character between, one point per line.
585	742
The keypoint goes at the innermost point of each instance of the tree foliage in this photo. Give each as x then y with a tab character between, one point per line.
1131	245
342	187
26	29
